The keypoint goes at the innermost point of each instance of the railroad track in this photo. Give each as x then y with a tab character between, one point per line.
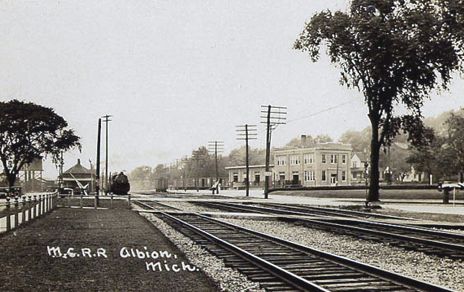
425	240
408	237
332	211
152	205
294	210
280	265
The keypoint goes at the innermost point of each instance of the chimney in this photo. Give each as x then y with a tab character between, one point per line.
78	161
303	140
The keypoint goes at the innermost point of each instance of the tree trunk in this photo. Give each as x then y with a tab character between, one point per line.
11	181
446	196
373	195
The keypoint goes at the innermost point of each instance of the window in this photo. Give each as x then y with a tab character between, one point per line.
294	160
324	175
309	175
333	158
354	164
343	158
323	158
281	160
343	175
308	158
235	177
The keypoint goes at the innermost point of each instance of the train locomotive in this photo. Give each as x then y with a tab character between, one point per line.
120	184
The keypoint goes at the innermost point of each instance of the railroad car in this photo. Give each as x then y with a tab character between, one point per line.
120	184
161	184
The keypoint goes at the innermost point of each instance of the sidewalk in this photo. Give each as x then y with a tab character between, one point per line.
90	250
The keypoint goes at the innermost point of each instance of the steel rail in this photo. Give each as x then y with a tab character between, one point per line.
143	204
350	213
282	274
364	268
389	235
422	230
364	231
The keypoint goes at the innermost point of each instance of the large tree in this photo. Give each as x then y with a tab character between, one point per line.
425	156
29	131
455	143
394	52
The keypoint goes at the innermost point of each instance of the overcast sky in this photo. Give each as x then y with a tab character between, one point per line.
175	74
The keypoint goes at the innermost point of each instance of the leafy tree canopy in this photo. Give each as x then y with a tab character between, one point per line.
394	52
29	131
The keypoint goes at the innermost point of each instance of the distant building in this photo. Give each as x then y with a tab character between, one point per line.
358	167
237	175
32	180
78	173
324	164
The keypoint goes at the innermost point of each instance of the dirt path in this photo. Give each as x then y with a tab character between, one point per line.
96	262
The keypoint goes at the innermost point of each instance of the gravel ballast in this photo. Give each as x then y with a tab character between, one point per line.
433	269
189	207
226	278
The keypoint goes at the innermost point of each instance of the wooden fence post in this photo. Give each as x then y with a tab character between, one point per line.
34	204
16	212
29	208
8	222
23	213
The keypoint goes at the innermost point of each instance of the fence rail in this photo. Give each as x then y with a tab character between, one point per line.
20	210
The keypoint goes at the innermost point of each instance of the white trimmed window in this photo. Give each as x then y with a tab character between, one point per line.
343	175
294	159
333	158
308	158
323	158
343	158
309	175
324	175
281	160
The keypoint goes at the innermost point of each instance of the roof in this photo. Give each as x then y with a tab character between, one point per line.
78	169
363	156
250	166
318	146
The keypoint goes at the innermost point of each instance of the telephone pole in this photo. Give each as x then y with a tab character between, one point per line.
106	121
97	177
196	156
246	132
216	147
274	116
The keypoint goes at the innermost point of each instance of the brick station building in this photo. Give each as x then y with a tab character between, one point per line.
324	164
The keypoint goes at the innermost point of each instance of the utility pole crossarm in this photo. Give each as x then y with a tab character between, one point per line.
106	121
245	133
274	115
216	147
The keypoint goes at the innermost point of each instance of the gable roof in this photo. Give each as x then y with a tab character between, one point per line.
78	169
363	156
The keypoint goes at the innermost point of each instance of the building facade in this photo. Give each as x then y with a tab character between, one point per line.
359	162
77	177
325	164
237	175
